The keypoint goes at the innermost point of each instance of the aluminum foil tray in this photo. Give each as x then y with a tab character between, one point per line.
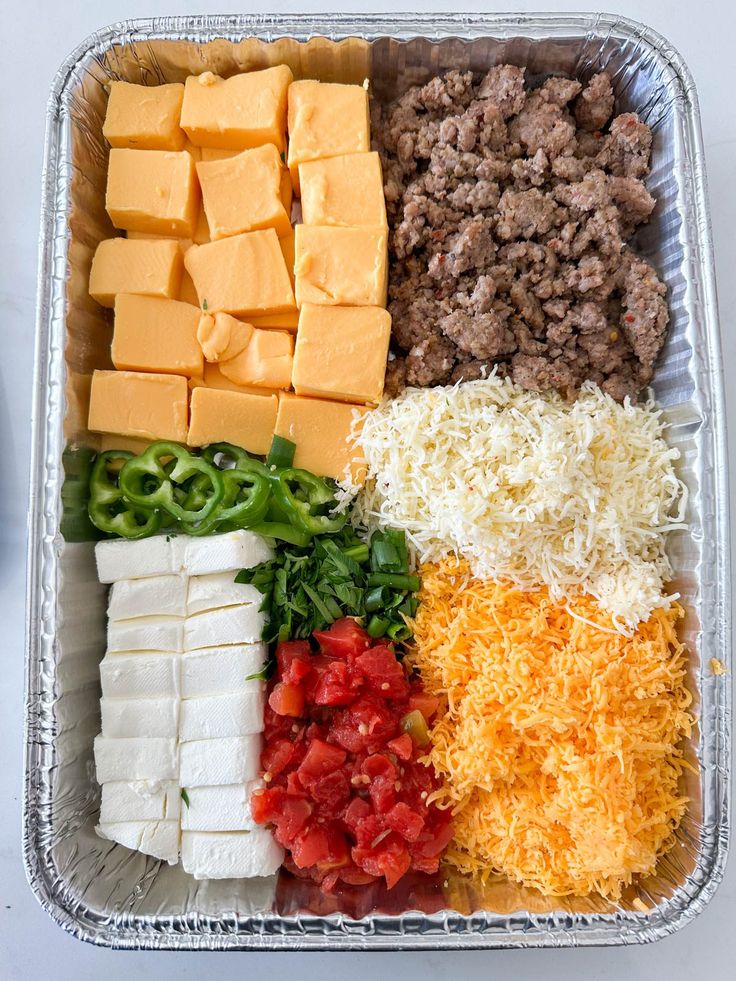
103	893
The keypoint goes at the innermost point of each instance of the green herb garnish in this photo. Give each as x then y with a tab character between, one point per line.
262	675
185	796
204	304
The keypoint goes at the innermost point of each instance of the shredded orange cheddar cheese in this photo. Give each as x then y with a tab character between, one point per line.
560	743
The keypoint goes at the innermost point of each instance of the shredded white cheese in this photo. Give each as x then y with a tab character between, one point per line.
530	488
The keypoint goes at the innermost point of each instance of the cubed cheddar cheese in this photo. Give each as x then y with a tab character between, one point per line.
146	406
201	234
221	336
144	117
325	120
152	267
322	431
152	191
266	361
215	153
341	352
232	417
237	113
345	190
286	190
341	266
243	193
288	247
277	321
187	292
214	378
242	274
112	441
153	334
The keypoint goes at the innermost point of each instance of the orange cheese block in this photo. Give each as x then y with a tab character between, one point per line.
321	431
146	406
202	228
212	377
288	247
277	321
237	113
345	190
243	193
243	274
221	336
144	117
266	360
216	153
149	266
152	191
341	352
232	417
112	441
152	334
341	266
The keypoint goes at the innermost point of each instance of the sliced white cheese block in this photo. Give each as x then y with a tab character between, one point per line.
126	717
160	839
207	762
219	808
136	759
159	595
214	670
233	625
223	855
140	800
145	634
220	716
141	675
218	590
134	560
223	553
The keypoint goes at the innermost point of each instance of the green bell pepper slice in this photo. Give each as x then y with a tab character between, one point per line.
304	498
240	458
146	483
244	503
108	510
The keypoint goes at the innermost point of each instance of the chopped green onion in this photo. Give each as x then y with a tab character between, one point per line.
377	598
377	626
261	675
185	796
281	453
358	553
398	631
385	557
395	581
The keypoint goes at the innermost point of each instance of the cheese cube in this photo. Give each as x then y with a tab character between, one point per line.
140	675
140	800
220	808
126	717
231	625
187	292
223	855
160	839
288	248
326	120
119	559
229	552
341	266
152	267
221	336
152	334
345	190
341	352
266	361
136	759
280	321
236	113
147	406
144	117
214	670
321	431
243	193
146	634
214	378
220	716
210	762
219	590
217	153
166	595
232	417
286	193
243	274
152	191
110	441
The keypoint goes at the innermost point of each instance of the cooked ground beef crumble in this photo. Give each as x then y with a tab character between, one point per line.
509	211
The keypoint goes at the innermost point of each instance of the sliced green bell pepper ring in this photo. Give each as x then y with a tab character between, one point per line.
244	503
145	482
240	458
302	497
108	510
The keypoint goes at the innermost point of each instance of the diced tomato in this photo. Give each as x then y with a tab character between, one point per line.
427	704
402	746
287	651
321	758
337	685
368	830
345	638
364	725
311	847
293	785
408	823
265	804
297	671
332	790
286	699
389	858
356	811
276	756
434	840
383	674
295	812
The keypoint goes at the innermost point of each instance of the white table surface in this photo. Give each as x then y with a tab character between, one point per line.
36	36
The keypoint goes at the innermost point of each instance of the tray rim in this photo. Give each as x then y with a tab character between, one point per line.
556	929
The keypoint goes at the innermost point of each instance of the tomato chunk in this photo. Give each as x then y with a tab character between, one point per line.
287	699
345	638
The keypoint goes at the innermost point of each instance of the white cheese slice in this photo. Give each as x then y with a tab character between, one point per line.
214	670
220	716
218	628
143	675
134	560
223	553
219	808
159	595
140	800
136	759
218	590
126	717
208	762
160	839
223	855
145	634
